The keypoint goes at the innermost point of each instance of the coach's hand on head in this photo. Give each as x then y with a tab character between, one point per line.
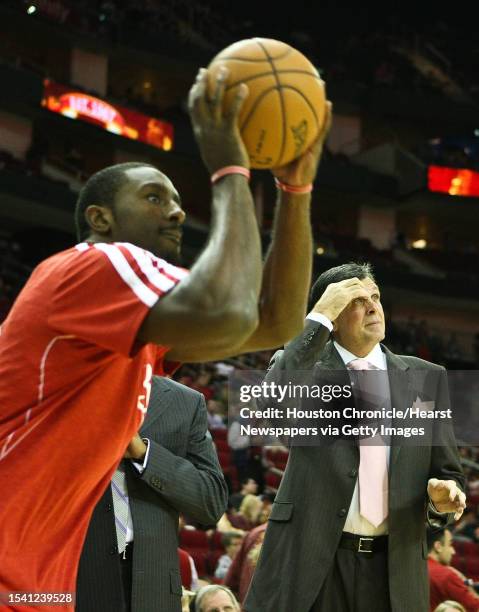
302	170
338	295
215	128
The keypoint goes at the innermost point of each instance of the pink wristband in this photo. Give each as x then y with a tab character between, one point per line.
293	188
229	170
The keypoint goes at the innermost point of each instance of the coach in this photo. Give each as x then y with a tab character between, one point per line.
347	529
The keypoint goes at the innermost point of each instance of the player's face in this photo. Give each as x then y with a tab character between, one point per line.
148	213
361	324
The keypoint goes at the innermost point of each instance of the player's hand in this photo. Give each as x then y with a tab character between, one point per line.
338	295
136	449
302	171
216	130
446	496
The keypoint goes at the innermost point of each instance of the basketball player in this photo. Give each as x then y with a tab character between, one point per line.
93	323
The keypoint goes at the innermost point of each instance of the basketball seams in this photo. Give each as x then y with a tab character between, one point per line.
266	74
298	91
287	51
256	102
270	139
281	101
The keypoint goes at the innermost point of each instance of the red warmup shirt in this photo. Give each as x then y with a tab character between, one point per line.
74	387
446	583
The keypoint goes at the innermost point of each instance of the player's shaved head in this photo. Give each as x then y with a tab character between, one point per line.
101	190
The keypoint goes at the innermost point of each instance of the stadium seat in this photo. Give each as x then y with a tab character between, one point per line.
194	538
219	434
217	541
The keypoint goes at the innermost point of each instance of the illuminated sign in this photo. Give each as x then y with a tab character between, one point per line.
454	181
116	119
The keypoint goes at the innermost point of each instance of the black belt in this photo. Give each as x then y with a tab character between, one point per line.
363	544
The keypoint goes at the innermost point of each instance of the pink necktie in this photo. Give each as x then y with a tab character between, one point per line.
373	467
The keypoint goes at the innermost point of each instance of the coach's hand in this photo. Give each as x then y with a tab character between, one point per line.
302	171
338	295
216	129
446	496
136	449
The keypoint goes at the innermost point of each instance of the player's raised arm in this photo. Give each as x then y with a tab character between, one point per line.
216	306
288	266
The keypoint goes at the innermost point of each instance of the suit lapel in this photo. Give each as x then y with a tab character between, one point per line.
161	398
400	389
330	359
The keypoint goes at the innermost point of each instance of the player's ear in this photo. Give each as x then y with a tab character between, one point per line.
99	218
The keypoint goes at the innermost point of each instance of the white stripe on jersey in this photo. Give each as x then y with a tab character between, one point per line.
121	265
144	260
174	271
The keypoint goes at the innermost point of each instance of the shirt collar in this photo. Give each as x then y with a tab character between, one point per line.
376	357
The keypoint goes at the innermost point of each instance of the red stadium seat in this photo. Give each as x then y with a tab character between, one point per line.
459	562
199	557
272	480
472	568
219	434
222	446
466	549
224	459
217	541
194	538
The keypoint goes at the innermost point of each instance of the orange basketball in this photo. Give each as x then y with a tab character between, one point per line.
285	108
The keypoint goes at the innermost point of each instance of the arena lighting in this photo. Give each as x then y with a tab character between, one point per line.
31	9
454	181
77	105
419	244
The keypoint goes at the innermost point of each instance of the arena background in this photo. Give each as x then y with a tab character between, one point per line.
87	84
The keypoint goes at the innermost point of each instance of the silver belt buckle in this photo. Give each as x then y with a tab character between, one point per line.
362	550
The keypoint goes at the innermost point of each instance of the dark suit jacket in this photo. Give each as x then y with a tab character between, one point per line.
182	475
312	503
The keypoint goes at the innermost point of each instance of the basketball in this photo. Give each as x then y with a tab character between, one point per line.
285	108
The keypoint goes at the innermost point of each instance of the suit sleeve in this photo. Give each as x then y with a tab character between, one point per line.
194	485
294	364
445	461
303	351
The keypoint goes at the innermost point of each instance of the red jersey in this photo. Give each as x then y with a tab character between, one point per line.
74	387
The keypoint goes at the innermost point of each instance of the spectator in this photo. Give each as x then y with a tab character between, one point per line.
446	582
241	570
248	486
248	515
215	414
231	542
215	598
